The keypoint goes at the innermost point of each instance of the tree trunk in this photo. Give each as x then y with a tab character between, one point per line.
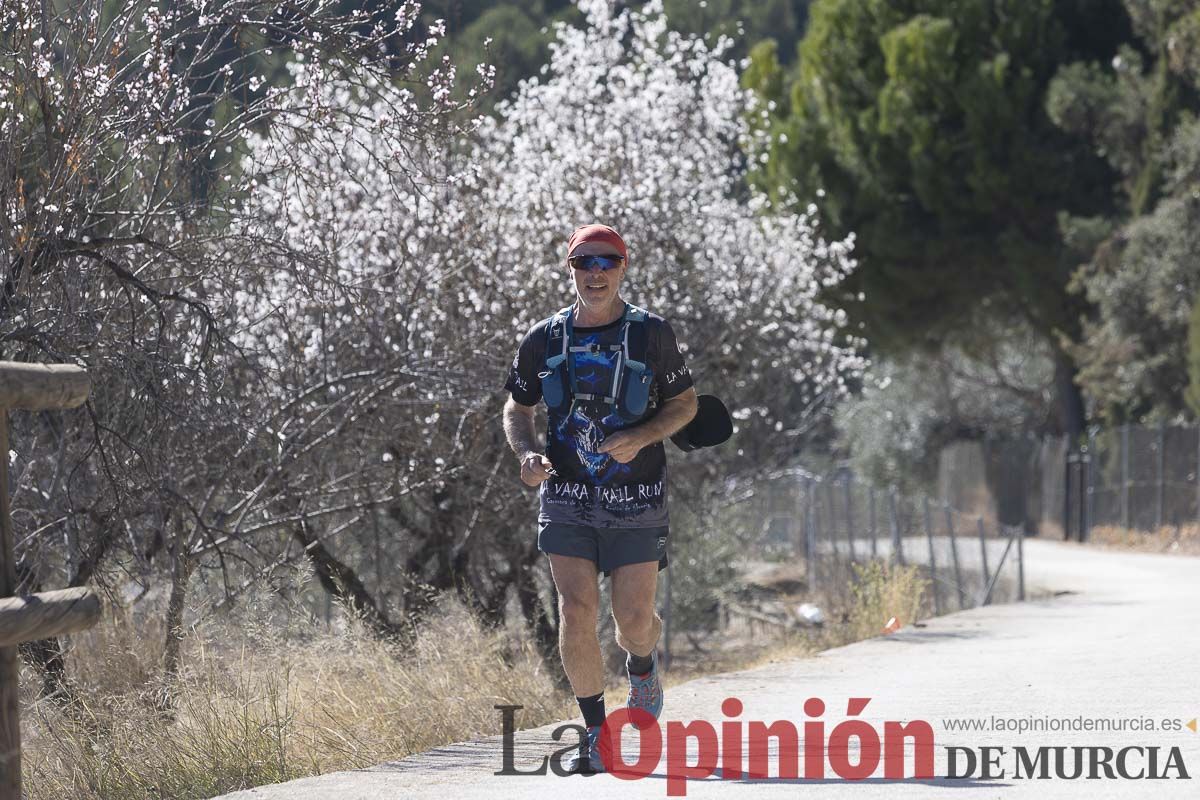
181	576
183	565
1071	413
45	655
343	583
48	656
417	594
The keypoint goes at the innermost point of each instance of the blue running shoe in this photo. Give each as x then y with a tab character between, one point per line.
646	692
587	759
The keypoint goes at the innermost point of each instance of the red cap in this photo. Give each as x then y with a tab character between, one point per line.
597	233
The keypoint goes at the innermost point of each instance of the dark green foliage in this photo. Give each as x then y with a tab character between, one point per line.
521	31
781	21
520	36
924	125
1138	111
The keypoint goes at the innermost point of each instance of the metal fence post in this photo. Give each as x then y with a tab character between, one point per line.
1125	514
1020	532
801	517
1161	493
1089	506
937	600
983	552
991	584
958	581
810	534
1066	506
849	514
897	544
831	501
871	513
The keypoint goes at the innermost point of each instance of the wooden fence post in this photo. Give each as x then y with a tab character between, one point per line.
30	387
10	714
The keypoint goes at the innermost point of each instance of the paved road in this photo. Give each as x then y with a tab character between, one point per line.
1123	644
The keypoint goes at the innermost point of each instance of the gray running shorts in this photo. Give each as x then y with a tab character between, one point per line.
608	547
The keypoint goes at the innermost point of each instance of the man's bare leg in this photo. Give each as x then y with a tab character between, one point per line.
638	629
578	605
638	624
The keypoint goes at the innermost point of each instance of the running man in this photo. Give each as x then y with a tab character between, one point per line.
615	386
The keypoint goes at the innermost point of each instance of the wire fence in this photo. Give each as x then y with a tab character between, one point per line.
970	560
824	525
1131	477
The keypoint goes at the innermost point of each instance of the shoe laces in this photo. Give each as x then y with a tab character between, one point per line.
642	691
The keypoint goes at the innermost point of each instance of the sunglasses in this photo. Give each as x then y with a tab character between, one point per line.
605	263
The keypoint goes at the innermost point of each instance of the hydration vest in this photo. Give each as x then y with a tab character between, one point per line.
629	392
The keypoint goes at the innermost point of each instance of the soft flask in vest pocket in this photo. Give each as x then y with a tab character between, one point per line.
635	390
554	382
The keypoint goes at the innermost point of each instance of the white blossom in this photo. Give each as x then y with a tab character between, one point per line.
634	125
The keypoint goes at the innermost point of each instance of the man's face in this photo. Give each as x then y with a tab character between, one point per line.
597	288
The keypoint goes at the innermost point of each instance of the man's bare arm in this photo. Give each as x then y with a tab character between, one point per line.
518	429
671	418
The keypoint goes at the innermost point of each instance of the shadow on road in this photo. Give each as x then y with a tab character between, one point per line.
953	783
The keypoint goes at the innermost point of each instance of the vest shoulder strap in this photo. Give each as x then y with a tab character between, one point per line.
637	344
556	334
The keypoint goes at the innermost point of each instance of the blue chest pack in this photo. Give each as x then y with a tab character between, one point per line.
629	392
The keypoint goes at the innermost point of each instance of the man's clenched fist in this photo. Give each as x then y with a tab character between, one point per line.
535	468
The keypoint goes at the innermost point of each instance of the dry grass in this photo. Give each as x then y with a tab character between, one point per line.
261	704
877	593
881	592
266	710
1183	540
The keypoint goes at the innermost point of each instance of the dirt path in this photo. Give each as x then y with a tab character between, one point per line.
1123	644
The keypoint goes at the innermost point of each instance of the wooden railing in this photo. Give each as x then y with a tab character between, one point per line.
30	387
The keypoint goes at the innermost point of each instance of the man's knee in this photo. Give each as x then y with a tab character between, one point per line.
634	620
577	610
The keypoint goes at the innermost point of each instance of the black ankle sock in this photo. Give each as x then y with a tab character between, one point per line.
639	665
593	709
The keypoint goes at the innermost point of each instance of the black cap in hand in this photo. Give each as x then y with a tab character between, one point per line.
711	426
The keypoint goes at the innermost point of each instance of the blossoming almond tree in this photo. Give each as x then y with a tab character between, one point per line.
121	125
645	129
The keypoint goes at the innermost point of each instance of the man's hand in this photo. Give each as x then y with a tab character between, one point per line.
535	468
623	445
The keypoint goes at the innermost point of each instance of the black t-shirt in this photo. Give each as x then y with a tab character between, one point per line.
593	488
